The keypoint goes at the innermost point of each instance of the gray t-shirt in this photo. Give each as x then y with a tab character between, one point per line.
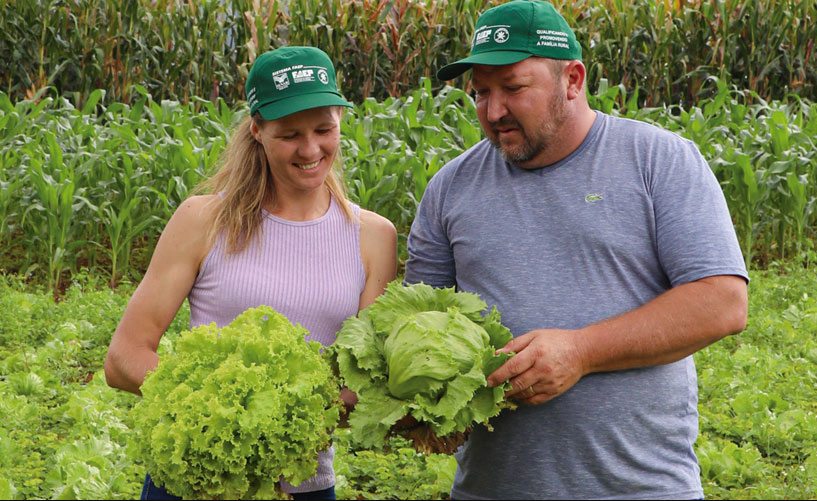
634	211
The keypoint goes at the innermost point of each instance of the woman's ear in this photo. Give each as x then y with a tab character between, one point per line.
255	131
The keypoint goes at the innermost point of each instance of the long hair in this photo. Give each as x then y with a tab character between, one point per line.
244	184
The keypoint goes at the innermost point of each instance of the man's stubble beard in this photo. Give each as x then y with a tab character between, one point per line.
539	140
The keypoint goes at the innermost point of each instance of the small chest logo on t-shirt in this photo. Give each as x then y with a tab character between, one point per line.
594	197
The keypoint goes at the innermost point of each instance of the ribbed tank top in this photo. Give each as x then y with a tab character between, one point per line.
309	271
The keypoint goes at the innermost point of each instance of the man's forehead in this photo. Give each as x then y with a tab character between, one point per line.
525	68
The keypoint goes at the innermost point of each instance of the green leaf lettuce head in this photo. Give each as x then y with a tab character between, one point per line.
234	409
421	351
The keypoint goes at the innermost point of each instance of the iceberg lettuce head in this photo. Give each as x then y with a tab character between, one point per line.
423	352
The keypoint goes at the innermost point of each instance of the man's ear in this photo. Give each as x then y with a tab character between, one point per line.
576	75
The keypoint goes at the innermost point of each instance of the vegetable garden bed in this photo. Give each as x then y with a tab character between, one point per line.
65	433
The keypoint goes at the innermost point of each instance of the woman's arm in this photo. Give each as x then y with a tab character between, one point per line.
169	278
378	250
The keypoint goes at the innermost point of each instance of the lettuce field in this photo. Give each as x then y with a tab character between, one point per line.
64	434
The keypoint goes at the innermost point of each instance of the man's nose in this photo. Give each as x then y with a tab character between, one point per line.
497	106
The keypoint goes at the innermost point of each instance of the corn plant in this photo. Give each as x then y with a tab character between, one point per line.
84	188
10	179
91	187
50	218
123	219
673	48
763	153
382	48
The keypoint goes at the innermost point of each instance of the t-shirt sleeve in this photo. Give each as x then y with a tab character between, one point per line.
430	257
694	231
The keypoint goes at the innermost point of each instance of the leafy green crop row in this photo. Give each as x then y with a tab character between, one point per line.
65	434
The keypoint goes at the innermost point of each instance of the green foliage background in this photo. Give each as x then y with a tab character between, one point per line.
178	49
91	187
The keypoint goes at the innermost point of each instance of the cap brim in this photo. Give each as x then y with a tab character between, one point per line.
294	104
492	58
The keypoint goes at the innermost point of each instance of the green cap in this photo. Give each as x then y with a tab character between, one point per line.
514	31
292	79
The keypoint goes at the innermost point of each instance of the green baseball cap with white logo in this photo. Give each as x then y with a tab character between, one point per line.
514	31
292	79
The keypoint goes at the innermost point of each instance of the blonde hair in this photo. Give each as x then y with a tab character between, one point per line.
244	184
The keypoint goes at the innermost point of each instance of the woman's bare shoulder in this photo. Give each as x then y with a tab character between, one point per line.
187	231
372	222
198	208
378	245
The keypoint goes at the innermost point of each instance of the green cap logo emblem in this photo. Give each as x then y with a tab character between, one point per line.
281	81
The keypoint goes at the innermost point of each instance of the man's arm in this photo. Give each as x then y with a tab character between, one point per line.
672	326
430	256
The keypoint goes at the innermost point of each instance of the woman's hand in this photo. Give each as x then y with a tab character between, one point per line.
349	401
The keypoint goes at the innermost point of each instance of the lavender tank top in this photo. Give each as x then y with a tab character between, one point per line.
309	271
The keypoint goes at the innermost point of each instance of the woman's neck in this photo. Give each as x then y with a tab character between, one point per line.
300	206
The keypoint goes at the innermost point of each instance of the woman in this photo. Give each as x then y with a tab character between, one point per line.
276	229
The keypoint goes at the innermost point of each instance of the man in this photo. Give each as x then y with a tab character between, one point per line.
608	248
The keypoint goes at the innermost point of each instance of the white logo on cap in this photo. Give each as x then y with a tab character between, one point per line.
281	81
303	75
553	38
322	76
481	37
252	100
501	35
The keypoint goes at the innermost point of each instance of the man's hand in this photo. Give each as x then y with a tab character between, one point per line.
547	363
666	329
